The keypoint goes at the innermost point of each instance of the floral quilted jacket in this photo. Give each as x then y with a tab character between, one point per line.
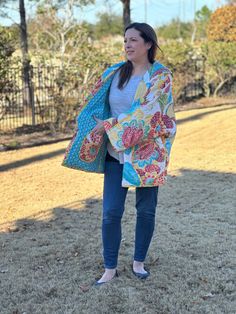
145	133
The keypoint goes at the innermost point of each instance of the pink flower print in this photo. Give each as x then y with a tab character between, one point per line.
131	136
90	148
85	154
88	151
162	178
155	119
108	125
141	172
158	72
151	134
145	151
161	154
168	80
152	168
162	85
167	121
166	85
166	90
95	137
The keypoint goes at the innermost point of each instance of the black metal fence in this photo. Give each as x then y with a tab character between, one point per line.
50	88
49	85
193	83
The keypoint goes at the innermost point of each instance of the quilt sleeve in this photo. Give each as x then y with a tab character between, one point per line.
94	89
153	117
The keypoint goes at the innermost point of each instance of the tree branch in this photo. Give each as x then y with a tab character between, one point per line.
5	15
219	86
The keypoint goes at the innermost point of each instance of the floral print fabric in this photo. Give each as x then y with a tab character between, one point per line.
145	133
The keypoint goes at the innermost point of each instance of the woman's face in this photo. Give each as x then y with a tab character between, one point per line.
136	48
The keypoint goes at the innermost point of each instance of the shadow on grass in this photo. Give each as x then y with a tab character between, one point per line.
49	266
201	115
27	161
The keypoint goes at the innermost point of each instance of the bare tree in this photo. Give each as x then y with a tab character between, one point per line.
62	34
126	12
28	94
231	2
28	98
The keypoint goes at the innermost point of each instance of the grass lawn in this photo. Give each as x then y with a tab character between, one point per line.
50	234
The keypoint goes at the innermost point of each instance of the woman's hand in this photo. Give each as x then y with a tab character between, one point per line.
99	128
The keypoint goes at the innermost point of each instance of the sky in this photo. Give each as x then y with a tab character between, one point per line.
158	12
154	12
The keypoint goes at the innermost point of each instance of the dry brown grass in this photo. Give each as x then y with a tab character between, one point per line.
50	230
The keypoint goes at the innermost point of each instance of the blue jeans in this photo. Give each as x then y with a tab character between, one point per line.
114	196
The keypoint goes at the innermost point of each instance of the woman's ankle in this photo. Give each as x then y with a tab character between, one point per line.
110	270
138	264
109	273
139	267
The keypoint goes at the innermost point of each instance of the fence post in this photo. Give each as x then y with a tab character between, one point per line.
31	90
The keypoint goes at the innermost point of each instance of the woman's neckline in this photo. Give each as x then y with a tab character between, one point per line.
137	76
147	70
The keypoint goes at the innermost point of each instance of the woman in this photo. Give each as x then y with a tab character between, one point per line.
129	141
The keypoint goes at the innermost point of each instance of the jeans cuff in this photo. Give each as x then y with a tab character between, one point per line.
110	267
141	260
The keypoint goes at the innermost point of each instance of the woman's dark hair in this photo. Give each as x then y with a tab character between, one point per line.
149	36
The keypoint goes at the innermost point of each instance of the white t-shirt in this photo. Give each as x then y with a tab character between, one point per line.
120	101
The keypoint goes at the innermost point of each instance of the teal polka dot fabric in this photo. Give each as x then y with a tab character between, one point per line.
99	107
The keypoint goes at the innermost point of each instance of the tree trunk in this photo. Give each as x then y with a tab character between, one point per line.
126	12
219	86
28	99
63	49
193	33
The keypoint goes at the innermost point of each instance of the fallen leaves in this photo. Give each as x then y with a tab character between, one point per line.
208	296
84	288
